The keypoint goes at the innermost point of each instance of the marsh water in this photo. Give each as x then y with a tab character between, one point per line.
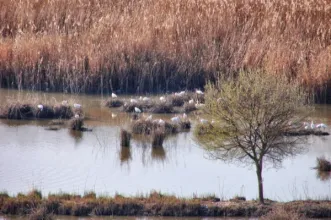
76	162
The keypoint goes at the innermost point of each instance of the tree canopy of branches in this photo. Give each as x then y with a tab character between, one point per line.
251	115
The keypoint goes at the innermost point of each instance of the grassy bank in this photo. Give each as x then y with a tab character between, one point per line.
154	204
157	46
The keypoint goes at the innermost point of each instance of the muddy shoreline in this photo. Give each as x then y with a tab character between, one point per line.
155	204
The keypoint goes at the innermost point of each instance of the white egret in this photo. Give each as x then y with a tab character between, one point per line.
137	110
191	101
175	119
113	95
40	107
199	92
321	125
162	99
77	105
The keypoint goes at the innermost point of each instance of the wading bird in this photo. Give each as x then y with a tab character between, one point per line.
113	95
77	105
40	107
175	119
198	91
321	125
137	110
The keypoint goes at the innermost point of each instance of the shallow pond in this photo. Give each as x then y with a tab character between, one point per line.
54	161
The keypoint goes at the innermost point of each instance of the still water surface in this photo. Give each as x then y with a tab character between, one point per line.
54	161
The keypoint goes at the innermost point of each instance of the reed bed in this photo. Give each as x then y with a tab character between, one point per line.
163	45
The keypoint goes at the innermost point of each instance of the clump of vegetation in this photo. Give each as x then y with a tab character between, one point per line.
238	199
40	213
161	108
147	127
63	111
158	137
20	111
323	164
143	127
189	107
114	103
17	111
142	105
125	138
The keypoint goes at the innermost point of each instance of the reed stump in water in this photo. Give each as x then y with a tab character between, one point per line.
158	137
125	138
76	124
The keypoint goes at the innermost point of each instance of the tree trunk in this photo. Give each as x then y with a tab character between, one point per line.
260	182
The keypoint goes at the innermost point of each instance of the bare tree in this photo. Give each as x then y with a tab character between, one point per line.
252	115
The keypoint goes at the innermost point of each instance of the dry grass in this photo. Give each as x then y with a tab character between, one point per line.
280	213
155	46
155	204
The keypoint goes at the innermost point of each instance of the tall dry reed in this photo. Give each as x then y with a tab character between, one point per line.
155	46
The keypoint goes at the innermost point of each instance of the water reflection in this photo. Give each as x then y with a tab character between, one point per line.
323	176
158	153
125	155
76	135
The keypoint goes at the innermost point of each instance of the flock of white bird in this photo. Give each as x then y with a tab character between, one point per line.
311	125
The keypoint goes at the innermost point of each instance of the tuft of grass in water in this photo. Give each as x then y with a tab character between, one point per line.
323	165
114	103
125	138
76	124
158	137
